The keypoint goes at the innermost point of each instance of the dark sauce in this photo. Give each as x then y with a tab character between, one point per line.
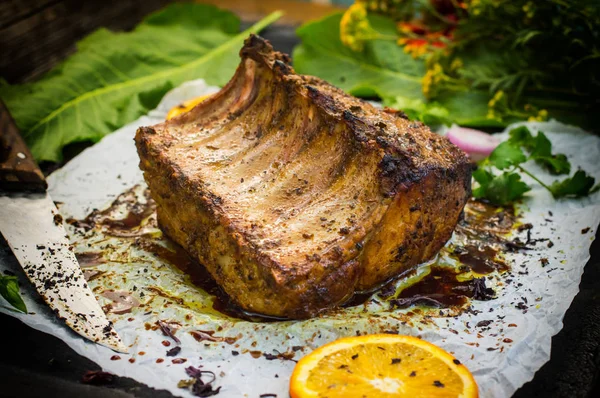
386	290
440	289
487	223
357	299
137	212
480	259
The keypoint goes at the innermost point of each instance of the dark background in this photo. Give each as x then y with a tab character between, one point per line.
35	35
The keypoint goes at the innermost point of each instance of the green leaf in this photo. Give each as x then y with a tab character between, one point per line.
506	155
483	178
541	150
581	184
555	164
521	136
382	68
542	154
501	190
470	109
114	78
428	113
9	289
542	146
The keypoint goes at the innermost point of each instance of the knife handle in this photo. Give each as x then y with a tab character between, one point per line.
18	170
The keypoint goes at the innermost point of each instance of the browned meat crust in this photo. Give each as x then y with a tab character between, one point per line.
294	195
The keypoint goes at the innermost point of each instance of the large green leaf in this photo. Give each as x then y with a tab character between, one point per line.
384	70
114	78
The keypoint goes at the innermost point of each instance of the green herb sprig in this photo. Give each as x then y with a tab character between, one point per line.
9	289
506	187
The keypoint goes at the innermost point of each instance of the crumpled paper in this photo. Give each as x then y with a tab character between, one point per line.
503	341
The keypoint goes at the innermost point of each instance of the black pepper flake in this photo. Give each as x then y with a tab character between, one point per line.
412	374
456	361
585	230
521	306
438	383
343	367
396	360
235	353
483	323
544	261
354	356
173	351
267	395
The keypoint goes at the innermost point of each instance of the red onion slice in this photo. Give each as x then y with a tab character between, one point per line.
477	144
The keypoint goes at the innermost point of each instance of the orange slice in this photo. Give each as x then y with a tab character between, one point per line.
185	106
381	365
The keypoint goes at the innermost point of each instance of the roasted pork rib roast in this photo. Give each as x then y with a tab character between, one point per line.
295	195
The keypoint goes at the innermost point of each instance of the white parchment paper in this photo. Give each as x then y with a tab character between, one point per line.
503	353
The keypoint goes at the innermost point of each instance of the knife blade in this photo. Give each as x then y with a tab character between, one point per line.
33	228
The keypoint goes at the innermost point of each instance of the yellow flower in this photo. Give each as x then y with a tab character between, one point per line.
541	116
382	6
492	115
474	7
456	64
497	106
498	97
355	28
529	10
433	77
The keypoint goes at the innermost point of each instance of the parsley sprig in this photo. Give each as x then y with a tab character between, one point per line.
506	187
